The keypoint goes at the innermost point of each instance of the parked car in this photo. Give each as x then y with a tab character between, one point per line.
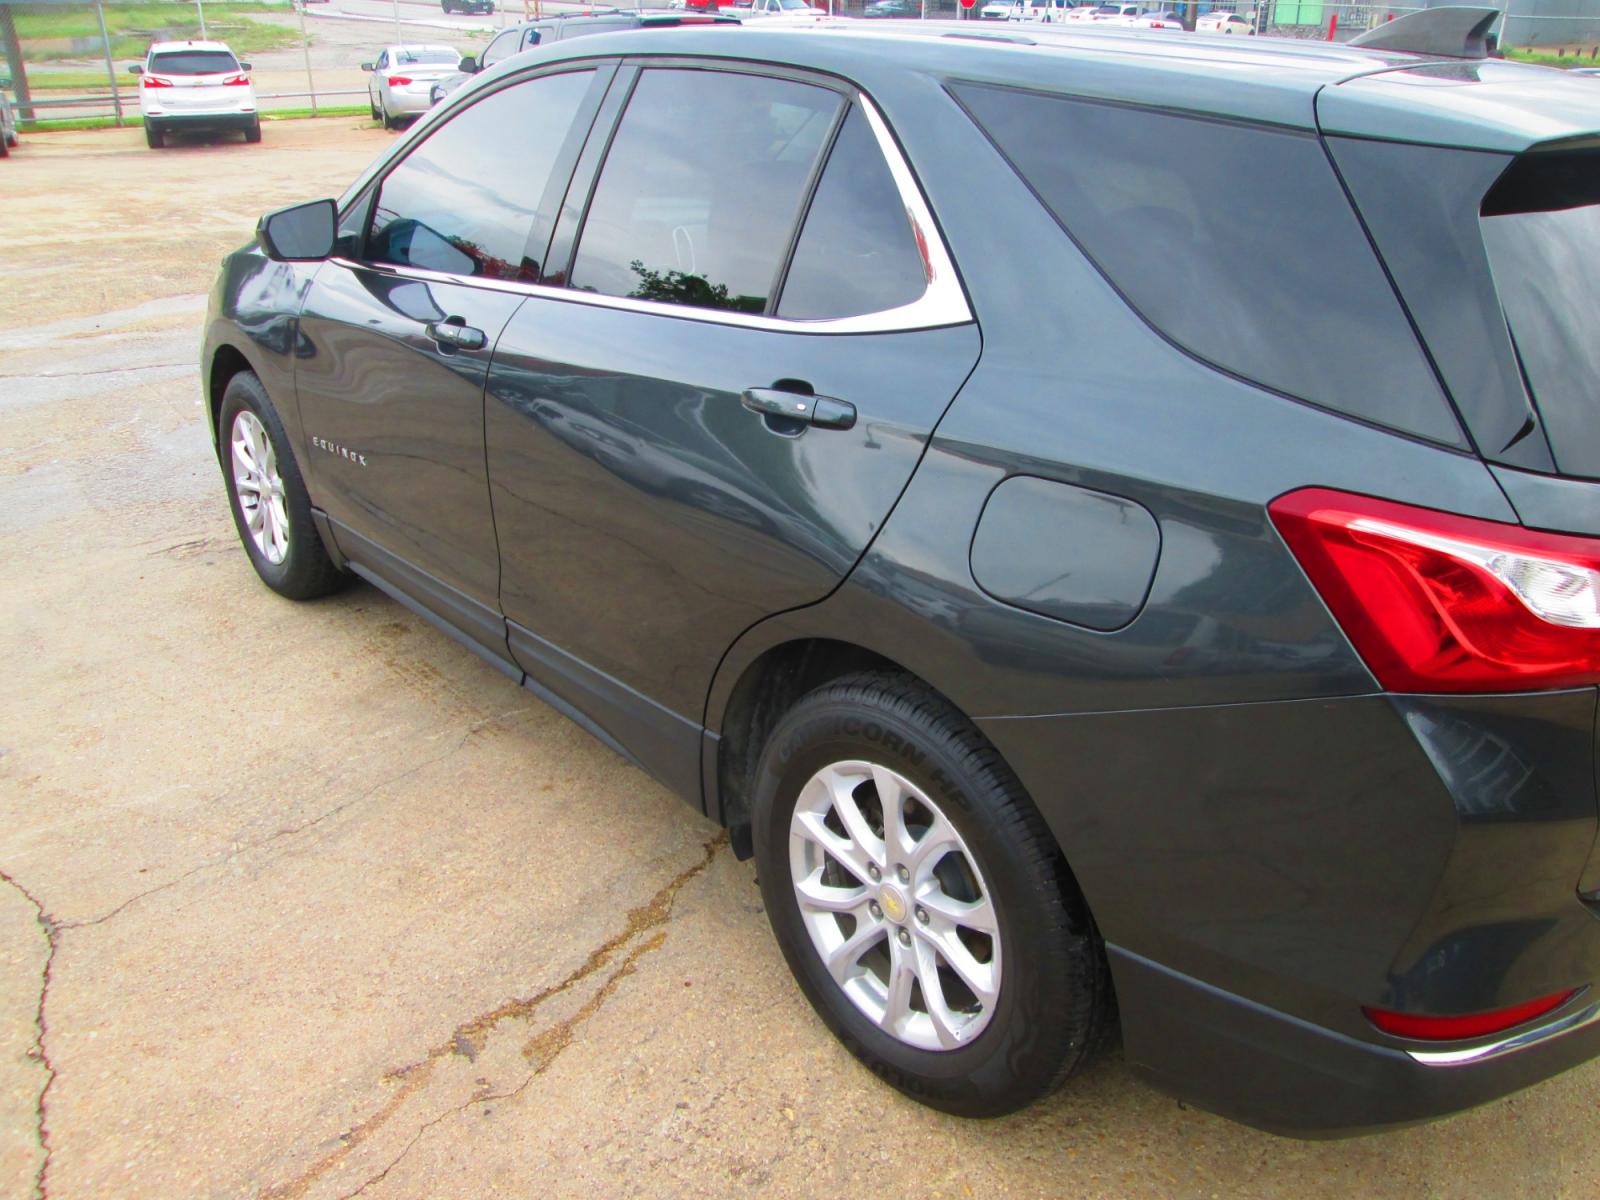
1094	12
996	10
1224	22
8	119
401	79
1229	662
554	29
195	86
786	9
467	6
1044	11
893	8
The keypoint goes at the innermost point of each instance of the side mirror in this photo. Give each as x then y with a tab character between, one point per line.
136	69
300	233
366	66
469	65
244	66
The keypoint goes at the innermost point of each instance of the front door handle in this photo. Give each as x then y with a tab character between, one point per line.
457	334
822	411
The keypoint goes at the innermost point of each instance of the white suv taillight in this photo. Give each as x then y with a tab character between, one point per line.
1435	602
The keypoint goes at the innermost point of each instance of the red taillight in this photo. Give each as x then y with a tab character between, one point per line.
1444	1029
1440	603
240	80
154	81
398	81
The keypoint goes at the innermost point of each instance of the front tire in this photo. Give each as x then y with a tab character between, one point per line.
271	508
920	901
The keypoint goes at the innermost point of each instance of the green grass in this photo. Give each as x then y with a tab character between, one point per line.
132	27
1553	60
132	121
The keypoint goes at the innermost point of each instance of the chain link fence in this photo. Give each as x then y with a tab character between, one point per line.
68	60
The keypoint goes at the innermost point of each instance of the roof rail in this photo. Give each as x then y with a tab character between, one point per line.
1450	31
1015	39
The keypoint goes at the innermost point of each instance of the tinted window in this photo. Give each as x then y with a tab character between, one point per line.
857	253
1541	225
701	189
436	56
1235	241
504	46
193	62
463	201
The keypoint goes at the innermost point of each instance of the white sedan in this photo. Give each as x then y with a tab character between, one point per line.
400	81
1224	22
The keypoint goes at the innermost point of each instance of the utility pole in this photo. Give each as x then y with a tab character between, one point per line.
111	70
200	8
19	69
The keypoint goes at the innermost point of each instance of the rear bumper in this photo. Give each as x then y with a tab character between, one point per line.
1263	872
411	100
1256	1065
199	121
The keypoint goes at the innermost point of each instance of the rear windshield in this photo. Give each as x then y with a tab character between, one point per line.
193	62
1541	227
426	56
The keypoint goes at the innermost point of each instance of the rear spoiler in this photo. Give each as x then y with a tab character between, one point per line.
1454	31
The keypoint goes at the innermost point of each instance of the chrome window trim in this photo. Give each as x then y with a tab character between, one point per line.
943	301
1575	1019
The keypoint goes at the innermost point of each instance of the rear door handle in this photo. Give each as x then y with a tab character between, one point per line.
456	333
822	411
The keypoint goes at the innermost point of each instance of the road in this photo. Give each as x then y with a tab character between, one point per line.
298	901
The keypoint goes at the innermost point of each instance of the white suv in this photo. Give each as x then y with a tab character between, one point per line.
195	85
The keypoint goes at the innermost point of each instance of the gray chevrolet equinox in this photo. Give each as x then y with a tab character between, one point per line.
1111	522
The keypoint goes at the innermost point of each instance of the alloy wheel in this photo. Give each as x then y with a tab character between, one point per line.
259	487
895	905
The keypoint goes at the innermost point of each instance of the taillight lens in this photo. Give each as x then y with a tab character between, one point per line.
154	81
1435	602
1442	1029
240	80
398	81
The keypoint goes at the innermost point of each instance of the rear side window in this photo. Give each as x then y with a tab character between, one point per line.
1541	227
463	201
857	252
702	188
1235	241
193	62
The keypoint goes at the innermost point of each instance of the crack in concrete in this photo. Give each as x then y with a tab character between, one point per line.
292	830
543	1049
38	1051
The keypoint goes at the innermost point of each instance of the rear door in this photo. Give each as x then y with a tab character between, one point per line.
704	420
398	332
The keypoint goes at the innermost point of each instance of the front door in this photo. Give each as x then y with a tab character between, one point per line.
709	423
397	342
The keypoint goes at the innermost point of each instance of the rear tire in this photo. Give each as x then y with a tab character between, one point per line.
265	486
252	131
153	137
1042	967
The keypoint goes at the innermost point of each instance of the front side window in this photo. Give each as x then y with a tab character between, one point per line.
463	201
503	46
193	62
702	187
857	253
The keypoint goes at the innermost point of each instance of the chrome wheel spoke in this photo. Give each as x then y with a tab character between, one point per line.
259	487
920	962
822	897
848	953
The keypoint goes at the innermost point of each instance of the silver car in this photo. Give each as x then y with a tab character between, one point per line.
8	119
400	80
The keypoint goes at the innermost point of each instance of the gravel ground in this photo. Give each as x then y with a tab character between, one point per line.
300	901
